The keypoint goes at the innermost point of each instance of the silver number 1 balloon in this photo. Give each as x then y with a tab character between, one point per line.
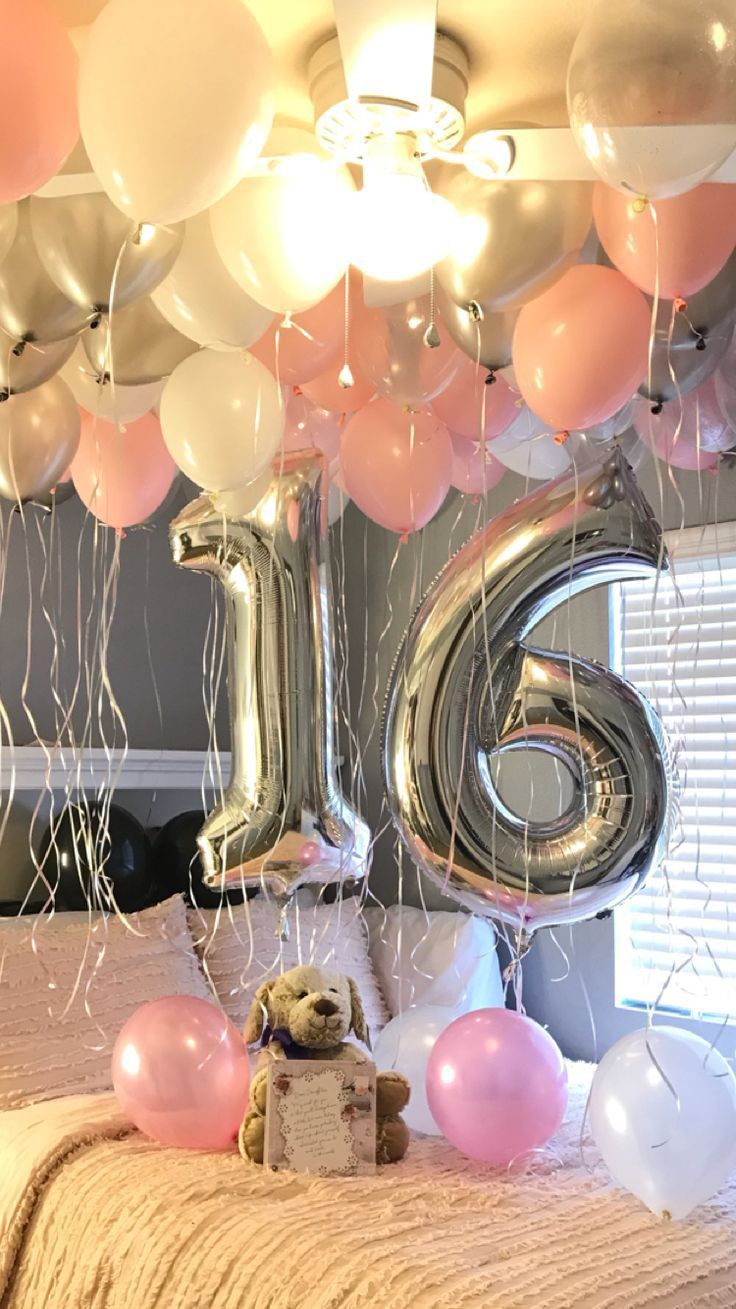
466	686
282	821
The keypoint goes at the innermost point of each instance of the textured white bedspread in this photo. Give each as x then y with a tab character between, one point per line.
92	1216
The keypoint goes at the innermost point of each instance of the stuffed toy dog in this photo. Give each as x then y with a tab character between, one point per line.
306	1014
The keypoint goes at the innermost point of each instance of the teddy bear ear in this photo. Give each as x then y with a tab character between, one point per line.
258	1014
357	1016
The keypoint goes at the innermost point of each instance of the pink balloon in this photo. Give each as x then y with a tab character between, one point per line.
474	469
307	426
38	97
690	237
581	348
308	344
390	349
326	391
180	1072
496	1085
461	404
122	476
396	465
676	435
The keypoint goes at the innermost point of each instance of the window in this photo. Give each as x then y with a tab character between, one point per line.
676	939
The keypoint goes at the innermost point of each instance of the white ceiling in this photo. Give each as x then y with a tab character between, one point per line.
518	51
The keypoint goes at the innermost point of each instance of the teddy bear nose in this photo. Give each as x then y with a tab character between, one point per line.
325	1008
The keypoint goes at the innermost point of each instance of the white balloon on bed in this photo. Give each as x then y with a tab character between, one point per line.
405	1045
663	1115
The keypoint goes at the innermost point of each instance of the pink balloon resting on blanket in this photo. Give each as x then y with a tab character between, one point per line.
180	1071
496	1085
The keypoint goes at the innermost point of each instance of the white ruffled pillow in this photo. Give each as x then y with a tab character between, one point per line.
440	958
240	949
52	1044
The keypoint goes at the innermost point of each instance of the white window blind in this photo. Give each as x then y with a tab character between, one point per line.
676	641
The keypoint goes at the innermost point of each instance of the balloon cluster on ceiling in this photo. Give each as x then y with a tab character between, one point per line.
210	280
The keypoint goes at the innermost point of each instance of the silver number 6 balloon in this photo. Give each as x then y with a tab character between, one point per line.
466	686
282	821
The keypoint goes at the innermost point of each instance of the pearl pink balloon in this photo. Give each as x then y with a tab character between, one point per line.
676	436
308	344
688	238
122	476
306	425
396	465
461	403
326	391
496	1085
38	97
474	469
390	349
180	1071
581	349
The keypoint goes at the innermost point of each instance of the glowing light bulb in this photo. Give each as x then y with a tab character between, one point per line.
397	229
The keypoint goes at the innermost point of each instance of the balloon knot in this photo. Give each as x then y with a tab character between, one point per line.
640	204
4	395
296	390
18	349
475	311
120	531
561	438
701	343
680	305
345	377
340	420
657	407
491	378
95	322
404	538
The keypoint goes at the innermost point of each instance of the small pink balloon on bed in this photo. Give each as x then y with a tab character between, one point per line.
496	1085
180	1072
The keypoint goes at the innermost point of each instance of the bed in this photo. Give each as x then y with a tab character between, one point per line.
93	1216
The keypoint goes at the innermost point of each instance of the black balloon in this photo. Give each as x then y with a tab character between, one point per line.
98	855
176	864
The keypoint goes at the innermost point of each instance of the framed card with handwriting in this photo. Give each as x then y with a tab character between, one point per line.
321	1117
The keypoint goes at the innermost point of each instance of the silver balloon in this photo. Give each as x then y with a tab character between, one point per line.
466	687
85	242
690	342
39	435
484	337
513	239
32	308
282	821
136	346
24	366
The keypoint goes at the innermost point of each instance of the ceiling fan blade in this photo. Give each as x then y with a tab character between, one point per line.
387	48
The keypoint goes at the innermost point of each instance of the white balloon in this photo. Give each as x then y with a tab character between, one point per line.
114	403
243	500
175	102
222	418
283	236
663	1115
337	502
536	455
405	1045
202	301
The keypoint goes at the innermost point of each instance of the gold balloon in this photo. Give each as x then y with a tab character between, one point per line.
513	239
24	366
39	435
484	337
136	345
32	308
84	243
